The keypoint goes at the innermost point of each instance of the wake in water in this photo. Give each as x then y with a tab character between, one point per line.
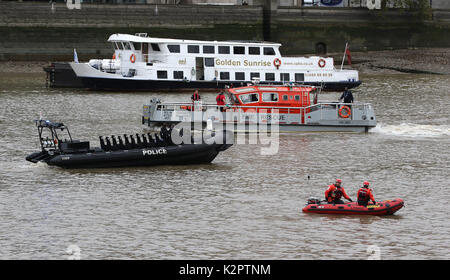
412	130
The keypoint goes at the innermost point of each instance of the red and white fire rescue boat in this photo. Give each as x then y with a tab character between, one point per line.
255	107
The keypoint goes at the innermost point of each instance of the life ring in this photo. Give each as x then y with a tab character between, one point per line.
192	72
322	63
133	58
277	62
189	108
345	112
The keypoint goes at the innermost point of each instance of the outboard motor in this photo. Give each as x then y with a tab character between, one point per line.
313	200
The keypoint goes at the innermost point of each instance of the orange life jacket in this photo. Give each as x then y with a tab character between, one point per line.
364	195
333	193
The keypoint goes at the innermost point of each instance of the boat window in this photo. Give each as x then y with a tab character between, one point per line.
119	45
269	51
254	75
254	50
270	97
155	47
193	49
239	50
126	45
297	98
174	48
284	77
233	98
224	49
208	49
285	97
249	98
209	62
161	74
224	75
178	74
299	77
239	76
114	45
137	46
270	76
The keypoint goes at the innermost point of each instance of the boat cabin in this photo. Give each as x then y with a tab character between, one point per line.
272	96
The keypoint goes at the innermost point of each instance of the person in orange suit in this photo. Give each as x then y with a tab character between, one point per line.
365	194
334	193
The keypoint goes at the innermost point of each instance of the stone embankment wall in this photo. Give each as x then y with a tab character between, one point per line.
307	29
35	31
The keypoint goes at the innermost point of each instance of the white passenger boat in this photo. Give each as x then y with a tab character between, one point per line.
145	63
257	108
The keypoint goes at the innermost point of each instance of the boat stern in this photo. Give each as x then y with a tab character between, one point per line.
357	117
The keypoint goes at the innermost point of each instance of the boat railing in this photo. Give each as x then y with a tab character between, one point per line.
328	110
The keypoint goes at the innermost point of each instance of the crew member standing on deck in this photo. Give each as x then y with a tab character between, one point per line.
347	96
220	99
334	193
195	96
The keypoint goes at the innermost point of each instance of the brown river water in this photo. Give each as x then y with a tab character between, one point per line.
242	206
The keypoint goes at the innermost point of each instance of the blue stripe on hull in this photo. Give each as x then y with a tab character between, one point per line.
157	85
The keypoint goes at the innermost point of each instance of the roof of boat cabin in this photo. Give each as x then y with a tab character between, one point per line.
141	39
283	89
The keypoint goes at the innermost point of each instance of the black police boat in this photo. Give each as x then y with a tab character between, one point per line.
131	150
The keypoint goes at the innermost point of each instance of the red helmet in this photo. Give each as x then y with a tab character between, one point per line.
338	181
366	183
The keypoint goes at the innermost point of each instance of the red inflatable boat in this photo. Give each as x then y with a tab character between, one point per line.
386	207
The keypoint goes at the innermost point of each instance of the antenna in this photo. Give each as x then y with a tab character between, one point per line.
343	58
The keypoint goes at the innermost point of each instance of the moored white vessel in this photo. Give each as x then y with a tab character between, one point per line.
146	63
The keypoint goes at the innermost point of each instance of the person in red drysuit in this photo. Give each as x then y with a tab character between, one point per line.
334	193
220	99
365	194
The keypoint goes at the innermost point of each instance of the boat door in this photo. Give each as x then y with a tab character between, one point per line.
199	69
209	72
145	52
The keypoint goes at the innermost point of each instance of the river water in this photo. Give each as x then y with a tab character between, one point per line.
242	206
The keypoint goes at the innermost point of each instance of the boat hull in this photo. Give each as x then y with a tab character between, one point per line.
171	155
387	207
130	84
253	128
61	75
199	151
